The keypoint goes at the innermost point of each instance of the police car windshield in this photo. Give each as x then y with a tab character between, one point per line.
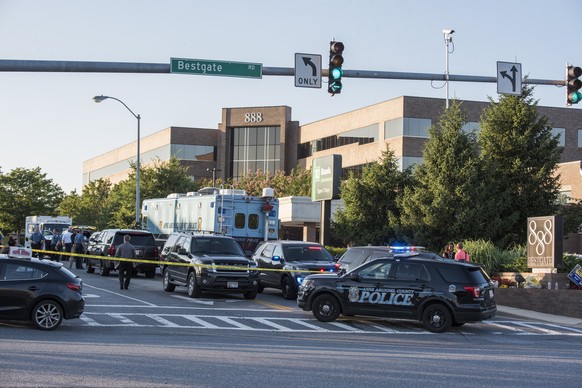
217	246
306	253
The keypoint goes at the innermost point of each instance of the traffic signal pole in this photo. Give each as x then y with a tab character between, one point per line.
9	65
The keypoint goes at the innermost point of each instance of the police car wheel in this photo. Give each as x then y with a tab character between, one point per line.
166	283
193	289
436	318
326	308
288	289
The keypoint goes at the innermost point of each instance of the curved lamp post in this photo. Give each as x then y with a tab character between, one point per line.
137	175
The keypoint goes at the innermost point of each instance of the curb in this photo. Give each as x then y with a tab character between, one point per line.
521	313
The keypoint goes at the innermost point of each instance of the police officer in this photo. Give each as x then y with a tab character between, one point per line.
127	251
37	240
79	248
56	244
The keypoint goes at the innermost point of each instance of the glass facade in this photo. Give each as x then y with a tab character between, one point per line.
255	148
562	133
361	136
407	126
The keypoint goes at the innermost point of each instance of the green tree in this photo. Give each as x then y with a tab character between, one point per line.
370	211
92	207
26	192
451	199
298	182
156	181
520	150
159	179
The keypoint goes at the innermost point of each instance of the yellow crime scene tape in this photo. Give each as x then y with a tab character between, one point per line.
161	262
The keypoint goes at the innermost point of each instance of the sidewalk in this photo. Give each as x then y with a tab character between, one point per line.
528	314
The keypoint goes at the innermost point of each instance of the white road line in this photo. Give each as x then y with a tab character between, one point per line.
545	331
564	328
235	323
201	322
89	321
89	296
382	328
306	324
344	326
124	295
123	319
510	328
161	320
265	321
193	300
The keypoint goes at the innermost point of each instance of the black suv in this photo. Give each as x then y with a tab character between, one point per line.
205	262
106	242
421	286
356	256
284	264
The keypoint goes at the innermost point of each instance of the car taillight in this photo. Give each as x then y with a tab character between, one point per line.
111	250
74	287
156	252
474	291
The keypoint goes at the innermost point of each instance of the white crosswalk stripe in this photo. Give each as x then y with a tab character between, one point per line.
288	324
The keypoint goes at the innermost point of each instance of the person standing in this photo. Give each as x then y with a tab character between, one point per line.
67	244
80	249
461	255
56	244
36	241
449	252
126	251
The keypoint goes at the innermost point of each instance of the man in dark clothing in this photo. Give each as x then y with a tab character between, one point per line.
126	251
37	241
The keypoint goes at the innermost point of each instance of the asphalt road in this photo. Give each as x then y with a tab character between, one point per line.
145	337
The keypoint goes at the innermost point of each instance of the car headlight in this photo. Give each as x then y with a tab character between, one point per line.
307	283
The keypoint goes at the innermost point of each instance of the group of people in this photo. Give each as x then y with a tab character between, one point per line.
70	241
459	254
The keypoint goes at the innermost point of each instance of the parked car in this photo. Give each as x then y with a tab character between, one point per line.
106	243
356	256
284	264
420	286
41	291
206	262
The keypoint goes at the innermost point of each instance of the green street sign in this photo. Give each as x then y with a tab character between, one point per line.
220	68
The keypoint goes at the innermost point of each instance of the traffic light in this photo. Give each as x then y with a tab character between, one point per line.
336	60
573	94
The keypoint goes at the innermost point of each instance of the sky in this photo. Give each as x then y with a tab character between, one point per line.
49	120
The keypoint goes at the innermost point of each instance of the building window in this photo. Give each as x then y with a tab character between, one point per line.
470	127
364	135
255	148
194	152
406	126
561	132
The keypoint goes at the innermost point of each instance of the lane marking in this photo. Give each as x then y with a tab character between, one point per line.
278	324
273	305
119	294
194	300
201	322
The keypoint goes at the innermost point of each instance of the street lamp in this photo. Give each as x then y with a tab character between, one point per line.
213	169
98	99
448	40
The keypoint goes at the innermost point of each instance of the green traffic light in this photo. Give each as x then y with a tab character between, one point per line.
574	97
336	73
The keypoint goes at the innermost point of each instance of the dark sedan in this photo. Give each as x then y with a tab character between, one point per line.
284	264
40	291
